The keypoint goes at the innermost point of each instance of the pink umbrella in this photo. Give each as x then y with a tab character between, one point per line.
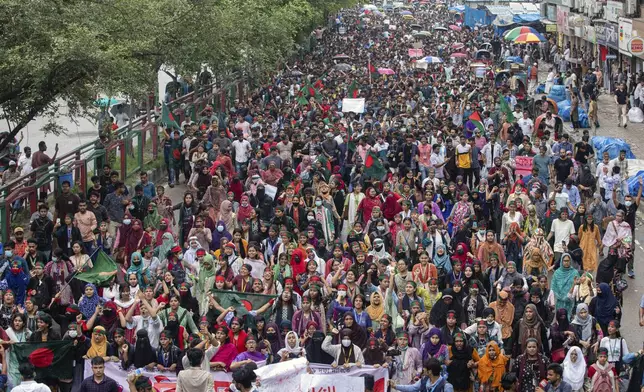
455	27
386	71
458	55
458	45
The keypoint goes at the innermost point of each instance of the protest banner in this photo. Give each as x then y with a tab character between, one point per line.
415	53
523	165
279	377
355	105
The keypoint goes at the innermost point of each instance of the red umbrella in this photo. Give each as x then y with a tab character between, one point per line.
458	45
455	27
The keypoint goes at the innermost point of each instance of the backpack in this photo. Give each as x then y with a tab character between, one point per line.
601	379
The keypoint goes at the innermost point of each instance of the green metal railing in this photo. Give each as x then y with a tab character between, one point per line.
75	165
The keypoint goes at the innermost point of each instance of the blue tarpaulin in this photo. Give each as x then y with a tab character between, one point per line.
526	18
634	183
611	144
474	17
457	8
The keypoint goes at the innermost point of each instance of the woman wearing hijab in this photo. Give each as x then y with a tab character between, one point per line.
376	309
137	239
491	367
538	241
244	210
345	354
530	367
273	337
587	331
438	314
562	281
136	267
98	344
220	232
313	349
368	203
561	335
291	348
144	355
604	307
434	347
461	364
575	369
227	215
227	351
358	333
205	281
109	319
530	326
89	301
152	220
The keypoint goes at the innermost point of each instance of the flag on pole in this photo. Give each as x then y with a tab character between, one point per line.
373	166
52	360
475	118
505	108
354	90
102	270
167	118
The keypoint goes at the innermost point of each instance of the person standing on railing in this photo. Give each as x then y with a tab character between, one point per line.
39	158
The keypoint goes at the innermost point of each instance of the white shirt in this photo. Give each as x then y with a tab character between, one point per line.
154	327
242	148
437	159
31	386
24	165
562	231
526	125
615	352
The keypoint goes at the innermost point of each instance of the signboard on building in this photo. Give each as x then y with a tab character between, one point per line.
568	3
636	46
562	18
625	35
600	34
551	13
590	34
612	38
551	28
613	10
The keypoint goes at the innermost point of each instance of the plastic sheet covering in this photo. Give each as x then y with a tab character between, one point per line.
558	93
611	144
633	182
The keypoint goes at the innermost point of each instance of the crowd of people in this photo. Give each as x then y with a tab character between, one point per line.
400	237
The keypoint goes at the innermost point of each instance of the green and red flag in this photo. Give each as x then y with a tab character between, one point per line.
51	360
302	97
310	91
374	167
372	70
475	118
351	144
318	84
505	108
167	118
354	90
102	270
242	302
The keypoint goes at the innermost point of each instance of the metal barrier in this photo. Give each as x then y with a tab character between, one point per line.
89	157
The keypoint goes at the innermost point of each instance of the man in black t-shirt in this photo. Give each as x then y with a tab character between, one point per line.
563	166
621	97
583	150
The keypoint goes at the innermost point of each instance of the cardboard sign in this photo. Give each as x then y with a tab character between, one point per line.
355	105
523	165
415	53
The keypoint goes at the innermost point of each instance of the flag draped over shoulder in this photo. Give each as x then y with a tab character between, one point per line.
354	89
52	360
242	302
505	108
102	270
373	166
167	118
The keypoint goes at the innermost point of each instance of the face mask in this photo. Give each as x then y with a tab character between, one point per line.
8	253
460	251
270	334
318	203
244	204
180	257
481	232
220	228
127	221
381	228
310	218
346	342
73	334
379	246
163	227
15	271
131	207
342	293
54	259
628	203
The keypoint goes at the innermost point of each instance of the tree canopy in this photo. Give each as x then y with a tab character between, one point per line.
72	50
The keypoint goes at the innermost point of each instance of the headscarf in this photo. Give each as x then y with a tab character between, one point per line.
87	304
530	328
297	350
205	273
161	233
605	305
492	369
274	340
152	219
244	212
143	351
575	372
226	213
376	312
109	321
167	242
358	334
586	324
443	261
563	279
217	236
538	241
431	348
97	349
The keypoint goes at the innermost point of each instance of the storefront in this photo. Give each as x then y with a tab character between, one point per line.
636	44
608	42
625	27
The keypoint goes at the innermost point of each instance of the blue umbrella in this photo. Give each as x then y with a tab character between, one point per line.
432	60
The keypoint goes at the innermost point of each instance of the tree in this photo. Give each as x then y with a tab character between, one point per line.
54	51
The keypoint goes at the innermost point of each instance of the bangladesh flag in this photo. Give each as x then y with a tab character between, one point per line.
475	118
373	166
242	302
167	118
505	108
52	360
310	91
102	271
354	90
373	71
302	98
351	145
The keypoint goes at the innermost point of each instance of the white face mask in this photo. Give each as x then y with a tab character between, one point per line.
346	342
220	228
127	221
131	207
628	203
310	218
318	203
342	293
73	334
